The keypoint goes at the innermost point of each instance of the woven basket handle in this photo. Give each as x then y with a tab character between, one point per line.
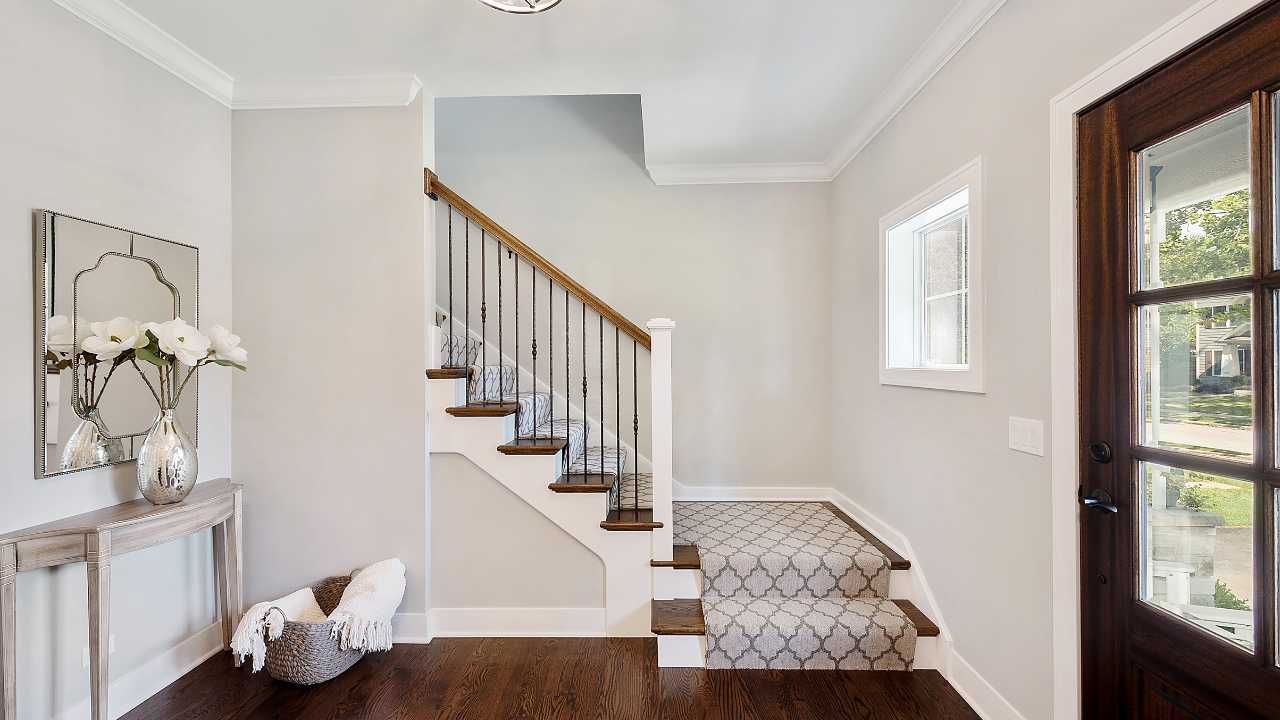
266	631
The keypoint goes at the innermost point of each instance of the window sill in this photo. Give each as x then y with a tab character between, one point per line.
969	381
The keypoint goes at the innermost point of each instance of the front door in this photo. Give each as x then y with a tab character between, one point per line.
1180	491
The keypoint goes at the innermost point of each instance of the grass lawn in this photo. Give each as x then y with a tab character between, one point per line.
1201	408
1234	503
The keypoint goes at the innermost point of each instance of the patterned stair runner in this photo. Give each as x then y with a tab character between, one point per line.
791	586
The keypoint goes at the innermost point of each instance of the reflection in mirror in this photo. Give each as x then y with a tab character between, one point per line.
96	285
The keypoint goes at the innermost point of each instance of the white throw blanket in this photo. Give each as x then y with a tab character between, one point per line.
362	620
300	606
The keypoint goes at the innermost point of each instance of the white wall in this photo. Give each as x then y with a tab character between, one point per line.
330	420
741	268
93	129
935	464
491	549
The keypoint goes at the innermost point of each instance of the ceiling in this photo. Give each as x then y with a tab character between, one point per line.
752	88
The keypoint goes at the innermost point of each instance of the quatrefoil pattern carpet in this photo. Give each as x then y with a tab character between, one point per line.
791	586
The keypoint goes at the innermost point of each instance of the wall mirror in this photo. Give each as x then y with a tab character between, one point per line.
92	411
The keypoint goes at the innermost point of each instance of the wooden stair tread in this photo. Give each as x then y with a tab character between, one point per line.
533	446
627	519
448	373
924	626
484	410
896	561
683	557
583	483
677	617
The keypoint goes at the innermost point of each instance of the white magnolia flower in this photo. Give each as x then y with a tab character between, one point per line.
226	346
58	332
179	339
111	338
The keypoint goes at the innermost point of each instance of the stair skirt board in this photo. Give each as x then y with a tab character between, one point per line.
788	586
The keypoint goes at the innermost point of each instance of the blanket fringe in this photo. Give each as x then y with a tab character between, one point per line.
249	640
353	633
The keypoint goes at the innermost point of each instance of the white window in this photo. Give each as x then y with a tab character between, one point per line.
931	291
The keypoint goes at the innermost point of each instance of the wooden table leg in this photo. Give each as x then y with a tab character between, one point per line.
8	632
98	566
221	570
231	568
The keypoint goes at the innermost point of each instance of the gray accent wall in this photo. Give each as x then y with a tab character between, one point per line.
93	129
935	464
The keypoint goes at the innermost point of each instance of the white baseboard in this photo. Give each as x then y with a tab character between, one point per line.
130	690
984	699
516	622
743	493
411	628
682	651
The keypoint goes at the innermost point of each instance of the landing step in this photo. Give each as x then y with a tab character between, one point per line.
677	617
683	557
924	626
448	373
896	561
484	410
533	446
630	520
583	483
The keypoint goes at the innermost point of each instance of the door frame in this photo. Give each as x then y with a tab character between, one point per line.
1197	22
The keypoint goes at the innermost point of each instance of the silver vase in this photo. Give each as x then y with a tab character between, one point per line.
88	445
167	462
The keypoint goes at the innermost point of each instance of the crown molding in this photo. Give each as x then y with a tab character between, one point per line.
960	25
732	173
344	91
142	36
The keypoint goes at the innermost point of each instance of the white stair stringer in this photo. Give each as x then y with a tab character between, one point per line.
626	555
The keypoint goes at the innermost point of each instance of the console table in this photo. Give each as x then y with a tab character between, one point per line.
94	538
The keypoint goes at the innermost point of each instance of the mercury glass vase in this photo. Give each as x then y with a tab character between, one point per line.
88	445
167	462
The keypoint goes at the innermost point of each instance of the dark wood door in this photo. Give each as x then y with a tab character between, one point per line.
1178	290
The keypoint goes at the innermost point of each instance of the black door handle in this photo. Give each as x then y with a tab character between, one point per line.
1098	500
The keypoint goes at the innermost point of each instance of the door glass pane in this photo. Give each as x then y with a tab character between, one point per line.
1196	376
1197	549
1194	193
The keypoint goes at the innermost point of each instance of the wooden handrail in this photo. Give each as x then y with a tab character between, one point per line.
437	190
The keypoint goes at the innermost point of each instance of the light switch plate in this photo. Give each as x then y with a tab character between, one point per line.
1026	435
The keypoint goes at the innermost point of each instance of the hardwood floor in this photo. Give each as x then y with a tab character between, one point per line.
546	678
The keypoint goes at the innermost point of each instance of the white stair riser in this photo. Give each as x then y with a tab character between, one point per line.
900	586
628	589
673	584
682	651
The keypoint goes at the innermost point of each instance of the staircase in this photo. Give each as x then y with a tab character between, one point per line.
567	403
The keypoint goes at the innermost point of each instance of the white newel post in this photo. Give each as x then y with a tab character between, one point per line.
660	455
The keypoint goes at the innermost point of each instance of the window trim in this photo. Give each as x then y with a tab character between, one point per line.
967	379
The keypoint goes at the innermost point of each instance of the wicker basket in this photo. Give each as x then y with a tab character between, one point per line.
306	653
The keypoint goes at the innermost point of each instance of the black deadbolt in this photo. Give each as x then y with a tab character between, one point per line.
1100	452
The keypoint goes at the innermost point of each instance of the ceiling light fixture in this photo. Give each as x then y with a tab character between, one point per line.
521	7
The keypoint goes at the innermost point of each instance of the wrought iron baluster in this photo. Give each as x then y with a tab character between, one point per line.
600	335
502	348
515	263
484	336
635	432
564	455
617	417
533	294
515	341
449	361
551	357
586	427
466	305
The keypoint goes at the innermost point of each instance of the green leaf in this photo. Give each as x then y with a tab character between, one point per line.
228	363
152	357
